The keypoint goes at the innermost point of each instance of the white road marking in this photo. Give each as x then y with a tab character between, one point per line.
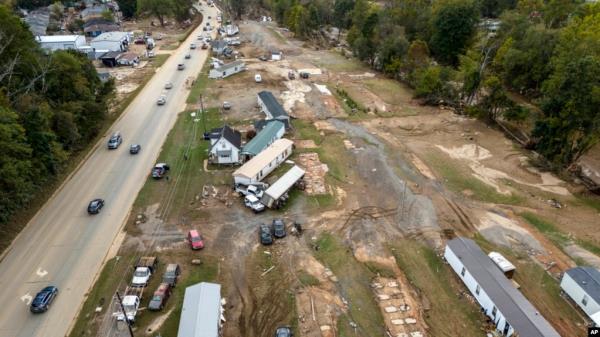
27	298
41	272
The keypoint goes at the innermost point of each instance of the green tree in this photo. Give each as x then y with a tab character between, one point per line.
453	25
342	13
432	85
128	7
158	8
182	9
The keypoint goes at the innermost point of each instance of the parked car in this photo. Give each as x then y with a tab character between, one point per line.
205	46
159	170
95	206
226	105
278	228
171	274
161	100
252	202
139	40
188	56
265	235
195	239
135	148
160	297
42	301
115	140
304	75
193	46
143	270
263	58
257	78
180	66
284	331
169	85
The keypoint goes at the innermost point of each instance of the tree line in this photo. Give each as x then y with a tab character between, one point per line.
451	53
51	106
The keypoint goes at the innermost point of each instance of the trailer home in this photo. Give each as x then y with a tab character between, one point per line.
257	168
273	195
582	285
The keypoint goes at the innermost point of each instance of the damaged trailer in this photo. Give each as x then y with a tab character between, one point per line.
276	195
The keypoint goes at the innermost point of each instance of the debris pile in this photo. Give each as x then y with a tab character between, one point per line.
400	317
315	173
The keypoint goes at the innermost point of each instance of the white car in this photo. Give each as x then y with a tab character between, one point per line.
193	46
257	78
169	85
252	202
141	276
161	100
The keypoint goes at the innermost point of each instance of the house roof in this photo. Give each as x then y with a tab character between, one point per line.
517	310
257	163
201	311
128	56
218	44
231	135
231	65
110	55
588	279
261	123
263	138
57	38
272	104
286	182
111	36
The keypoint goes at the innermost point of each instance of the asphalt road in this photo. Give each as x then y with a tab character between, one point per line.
63	245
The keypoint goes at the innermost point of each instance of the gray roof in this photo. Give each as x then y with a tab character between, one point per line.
232	136
230	65
218	44
517	310
588	279
272	104
201	311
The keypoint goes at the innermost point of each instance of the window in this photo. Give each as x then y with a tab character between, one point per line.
462	272
224	74
494	312
477	289
584	301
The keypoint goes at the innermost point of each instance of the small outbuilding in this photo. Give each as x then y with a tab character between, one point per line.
201	313
271	108
109	59
582	285
276	55
263	139
112	41
227	70
128	59
61	42
506	266
273	195
225	145
257	168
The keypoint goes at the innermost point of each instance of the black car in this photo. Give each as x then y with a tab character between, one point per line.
135	148
284	331
264	234
95	206
278	228
43	299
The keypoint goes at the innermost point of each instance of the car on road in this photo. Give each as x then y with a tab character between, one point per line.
188	56
193	46
279	228
160	297
180	66
195	239
171	274
284	331
115	140
42	301
160	170
168	85
265	235
161	100
135	148
205	46
95	206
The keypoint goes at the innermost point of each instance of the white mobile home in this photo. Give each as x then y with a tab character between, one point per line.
227	70
61	42
111	41
225	146
582	284
257	168
271	108
511	312
274	193
201	314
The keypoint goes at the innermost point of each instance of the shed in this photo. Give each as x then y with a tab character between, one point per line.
582	285
225	145
257	168
128	59
227	70
274	193
113	41
270	106
511	312
506	266
264	138
109	59
201	311
276	55
61	42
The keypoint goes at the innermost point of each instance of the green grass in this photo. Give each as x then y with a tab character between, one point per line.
338	63
589	200
450	314
307	279
354	285
380	270
458	181
202	82
171	46
390	91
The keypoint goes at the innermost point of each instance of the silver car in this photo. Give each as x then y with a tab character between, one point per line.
161	100
169	85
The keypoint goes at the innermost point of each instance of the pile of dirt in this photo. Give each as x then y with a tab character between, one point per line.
505	232
315	173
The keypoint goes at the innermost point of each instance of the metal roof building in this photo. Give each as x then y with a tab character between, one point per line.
201	311
270	106
582	284
512	313
257	168
281	186
270	133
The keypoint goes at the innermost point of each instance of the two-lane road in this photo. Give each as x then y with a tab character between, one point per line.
63	245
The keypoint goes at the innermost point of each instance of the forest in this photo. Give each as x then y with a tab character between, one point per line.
476	56
52	105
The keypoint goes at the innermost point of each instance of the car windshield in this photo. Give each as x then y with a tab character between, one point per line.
139	273
197	238
40	298
156	298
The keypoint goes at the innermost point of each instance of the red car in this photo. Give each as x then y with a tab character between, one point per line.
195	239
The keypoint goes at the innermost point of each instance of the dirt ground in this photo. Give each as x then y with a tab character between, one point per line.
400	170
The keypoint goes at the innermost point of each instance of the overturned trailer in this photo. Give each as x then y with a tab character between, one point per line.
275	195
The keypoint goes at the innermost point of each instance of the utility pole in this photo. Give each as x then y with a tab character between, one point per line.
125	315
203	114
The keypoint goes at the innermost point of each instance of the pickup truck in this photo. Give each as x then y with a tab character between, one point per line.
131	303
144	268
